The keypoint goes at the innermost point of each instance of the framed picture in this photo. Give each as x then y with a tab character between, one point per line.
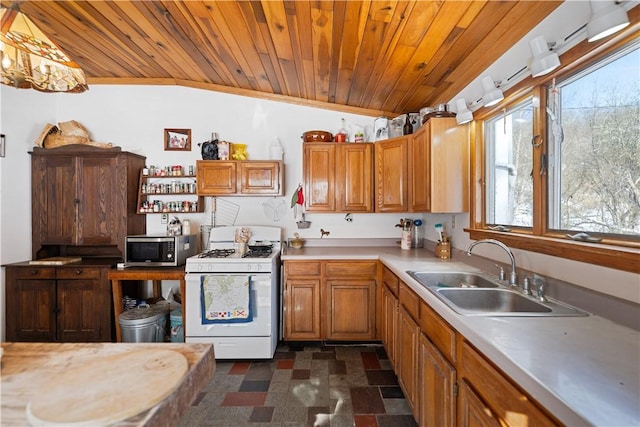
177	140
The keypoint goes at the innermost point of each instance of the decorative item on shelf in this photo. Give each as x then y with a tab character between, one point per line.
67	133
275	150
380	129
341	135
317	136
239	152
177	139
407	129
324	233
395	126
209	149
224	150
358	133
30	60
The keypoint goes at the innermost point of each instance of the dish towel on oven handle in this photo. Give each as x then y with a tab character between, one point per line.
225	299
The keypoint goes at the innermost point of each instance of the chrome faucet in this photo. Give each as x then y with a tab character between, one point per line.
541	286
513	278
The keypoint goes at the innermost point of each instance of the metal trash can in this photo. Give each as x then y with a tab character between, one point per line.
145	323
177	330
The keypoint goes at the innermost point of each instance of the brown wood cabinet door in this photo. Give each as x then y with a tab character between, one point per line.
354	178
79	305
472	410
31	303
319	168
392	175
302	309
351	309
408	334
449	165
99	201
419	172
261	178
55	200
216	178
389	325
436	387
509	404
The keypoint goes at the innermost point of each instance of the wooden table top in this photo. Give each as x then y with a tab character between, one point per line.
147	273
29	368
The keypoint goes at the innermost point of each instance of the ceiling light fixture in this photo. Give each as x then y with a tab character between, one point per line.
492	94
544	59
463	115
29	60
607	17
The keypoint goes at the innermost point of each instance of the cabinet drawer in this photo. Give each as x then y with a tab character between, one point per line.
299	268
78	273
507	401
438	331
33	272
351	268
409	300
391	280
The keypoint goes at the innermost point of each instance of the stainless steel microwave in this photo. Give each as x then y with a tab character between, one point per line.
159	250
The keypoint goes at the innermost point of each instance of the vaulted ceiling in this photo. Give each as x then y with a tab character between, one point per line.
368	57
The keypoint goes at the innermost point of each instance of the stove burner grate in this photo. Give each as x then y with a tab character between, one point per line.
217	253
258	253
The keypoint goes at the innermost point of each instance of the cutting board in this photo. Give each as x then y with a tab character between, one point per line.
107	389
56	260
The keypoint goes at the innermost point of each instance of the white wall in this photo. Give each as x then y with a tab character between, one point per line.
134	117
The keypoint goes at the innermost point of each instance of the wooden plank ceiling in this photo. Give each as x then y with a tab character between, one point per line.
367	57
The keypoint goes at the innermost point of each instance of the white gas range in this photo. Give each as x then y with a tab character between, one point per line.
232	298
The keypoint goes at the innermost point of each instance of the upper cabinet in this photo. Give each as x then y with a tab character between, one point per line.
448	180
84	200
240	178
424	172
338	177
392	175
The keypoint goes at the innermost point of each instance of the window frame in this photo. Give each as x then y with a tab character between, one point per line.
621	253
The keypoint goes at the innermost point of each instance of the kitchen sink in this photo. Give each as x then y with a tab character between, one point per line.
477	294
453	280
492	300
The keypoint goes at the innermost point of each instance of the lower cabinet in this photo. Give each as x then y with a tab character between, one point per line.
445	380
333	300
437	383
65	304
490	398
407	370
389	323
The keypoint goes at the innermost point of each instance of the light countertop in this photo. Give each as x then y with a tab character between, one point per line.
584	370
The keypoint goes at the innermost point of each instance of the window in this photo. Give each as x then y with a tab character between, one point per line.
560	158
509	165
594	179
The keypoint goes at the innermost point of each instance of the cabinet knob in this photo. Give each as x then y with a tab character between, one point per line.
34	272
78	271
76	201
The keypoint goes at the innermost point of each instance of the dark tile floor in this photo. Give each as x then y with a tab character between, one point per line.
304	385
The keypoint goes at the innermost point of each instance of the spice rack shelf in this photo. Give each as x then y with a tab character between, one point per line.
161	194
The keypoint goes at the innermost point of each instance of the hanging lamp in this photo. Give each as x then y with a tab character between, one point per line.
30	60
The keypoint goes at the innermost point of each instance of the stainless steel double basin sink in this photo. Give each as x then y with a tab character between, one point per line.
478	294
